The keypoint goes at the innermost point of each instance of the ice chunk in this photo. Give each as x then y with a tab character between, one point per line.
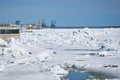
42	56
2	68
58	70
103	53
2	42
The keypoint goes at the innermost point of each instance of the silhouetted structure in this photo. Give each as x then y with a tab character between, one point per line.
53	22
17	22
43	23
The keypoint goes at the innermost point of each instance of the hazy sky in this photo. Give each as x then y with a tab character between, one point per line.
65	12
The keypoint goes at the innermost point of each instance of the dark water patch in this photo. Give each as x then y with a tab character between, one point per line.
101	76
75	74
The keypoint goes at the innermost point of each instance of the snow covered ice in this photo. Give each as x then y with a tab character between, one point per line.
43	54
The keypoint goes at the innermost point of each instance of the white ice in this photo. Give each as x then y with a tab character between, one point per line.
43	54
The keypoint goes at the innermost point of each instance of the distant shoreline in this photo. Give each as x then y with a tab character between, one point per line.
71	27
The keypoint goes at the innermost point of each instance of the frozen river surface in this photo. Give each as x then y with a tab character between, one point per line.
47	54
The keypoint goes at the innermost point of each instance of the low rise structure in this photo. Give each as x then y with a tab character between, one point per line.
7	32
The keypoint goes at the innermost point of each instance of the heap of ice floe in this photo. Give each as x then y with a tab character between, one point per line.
107	39
15	54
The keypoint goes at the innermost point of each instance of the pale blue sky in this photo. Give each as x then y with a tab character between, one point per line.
65	12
